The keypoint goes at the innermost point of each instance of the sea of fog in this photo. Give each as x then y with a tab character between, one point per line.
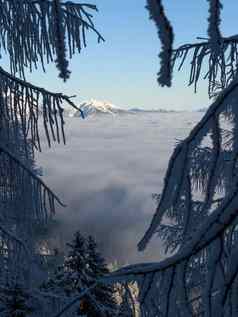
106	175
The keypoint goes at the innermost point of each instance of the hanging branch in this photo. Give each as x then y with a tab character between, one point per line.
181	164
36	32
222	65
13	173
61	60
165	33
25	105
215	48
214	21
25	203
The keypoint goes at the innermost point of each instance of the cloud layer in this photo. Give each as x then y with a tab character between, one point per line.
106	175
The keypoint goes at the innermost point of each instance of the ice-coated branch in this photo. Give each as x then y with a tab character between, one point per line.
60	45
214	22
39	32
181	162
165	32
222	62
14	175
26	105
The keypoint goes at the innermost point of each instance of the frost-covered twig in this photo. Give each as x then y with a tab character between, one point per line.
166	36
214	21
26	105
183	156
60	45
29	32
222	63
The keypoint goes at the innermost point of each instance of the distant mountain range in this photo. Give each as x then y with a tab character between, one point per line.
202	109
96	107
151	110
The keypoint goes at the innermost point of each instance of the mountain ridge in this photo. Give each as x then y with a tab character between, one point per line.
97	107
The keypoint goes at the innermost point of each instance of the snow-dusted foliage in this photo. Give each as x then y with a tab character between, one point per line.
82	267
214	59
39	32
32	33
26	105
214	24
222	66
25	203
218	52
166	36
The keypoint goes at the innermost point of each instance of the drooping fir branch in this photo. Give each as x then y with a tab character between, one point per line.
15	175
37	32
214	22
181	164
60	45
165	33
221	63
25	105
220	54
26	202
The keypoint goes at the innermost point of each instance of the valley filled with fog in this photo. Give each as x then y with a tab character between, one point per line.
106	175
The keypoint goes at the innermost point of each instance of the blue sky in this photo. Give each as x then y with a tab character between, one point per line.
123	69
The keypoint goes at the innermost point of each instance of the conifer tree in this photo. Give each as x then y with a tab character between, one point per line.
82	267
97	269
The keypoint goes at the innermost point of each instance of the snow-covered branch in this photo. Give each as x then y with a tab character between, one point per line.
39	32
165	33
222	63
214	22
25	105
182	160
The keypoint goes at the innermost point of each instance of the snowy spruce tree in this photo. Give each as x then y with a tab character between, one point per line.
98	268
82	267
32	34
196	217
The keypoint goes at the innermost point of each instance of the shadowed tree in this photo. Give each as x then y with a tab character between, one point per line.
82	267
33	33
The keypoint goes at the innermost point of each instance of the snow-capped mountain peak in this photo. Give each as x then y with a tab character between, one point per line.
94	106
